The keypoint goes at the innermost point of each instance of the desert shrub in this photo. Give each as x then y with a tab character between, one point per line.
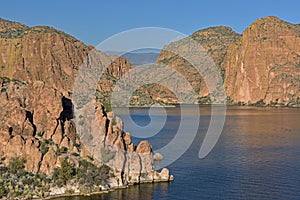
89	174
17	166
61	150
107	107
3	190
64	173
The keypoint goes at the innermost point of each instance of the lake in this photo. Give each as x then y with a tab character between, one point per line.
256	157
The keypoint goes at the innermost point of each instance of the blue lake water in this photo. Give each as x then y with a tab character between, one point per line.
256	157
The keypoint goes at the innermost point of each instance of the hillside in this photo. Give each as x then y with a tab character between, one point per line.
215	41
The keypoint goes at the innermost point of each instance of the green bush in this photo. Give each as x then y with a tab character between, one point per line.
64	173
44	147
89	175
40	133
107	107
16	183
61	151
3	190
17	166
259	103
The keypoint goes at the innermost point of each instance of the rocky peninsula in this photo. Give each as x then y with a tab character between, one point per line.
42	150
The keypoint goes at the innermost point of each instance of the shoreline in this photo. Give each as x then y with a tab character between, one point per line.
56	196
210	104
84	195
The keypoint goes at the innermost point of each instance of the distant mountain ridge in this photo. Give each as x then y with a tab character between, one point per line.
141	58
138	57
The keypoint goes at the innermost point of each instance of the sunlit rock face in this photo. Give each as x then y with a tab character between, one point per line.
42	119
264	64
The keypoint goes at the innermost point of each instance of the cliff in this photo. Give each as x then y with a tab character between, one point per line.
46	54
263	66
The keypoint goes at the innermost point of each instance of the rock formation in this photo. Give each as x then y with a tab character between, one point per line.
38	69
263	66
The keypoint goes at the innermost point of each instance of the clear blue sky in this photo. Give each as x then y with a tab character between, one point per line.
94	21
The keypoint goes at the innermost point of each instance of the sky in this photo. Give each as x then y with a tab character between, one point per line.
94	21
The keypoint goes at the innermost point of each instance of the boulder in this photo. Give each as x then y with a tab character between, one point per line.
144	147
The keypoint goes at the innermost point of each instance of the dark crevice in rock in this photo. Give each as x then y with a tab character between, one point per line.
66	114
125	158
62	124
10	131
57	124
123	141
29	117
106	130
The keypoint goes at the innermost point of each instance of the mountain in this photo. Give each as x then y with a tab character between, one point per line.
264	65
215	41
41	135
259	67
45	54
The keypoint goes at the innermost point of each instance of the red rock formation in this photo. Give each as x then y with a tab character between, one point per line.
37	122
264	64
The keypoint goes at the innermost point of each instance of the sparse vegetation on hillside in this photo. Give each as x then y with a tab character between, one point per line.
16	182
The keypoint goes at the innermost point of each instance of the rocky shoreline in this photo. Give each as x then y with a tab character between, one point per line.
61	192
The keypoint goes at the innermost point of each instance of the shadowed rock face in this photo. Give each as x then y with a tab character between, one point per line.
264	64
38	67
215	41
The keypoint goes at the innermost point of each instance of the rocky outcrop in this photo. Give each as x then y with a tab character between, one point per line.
38	121
30	123
263	66
109	144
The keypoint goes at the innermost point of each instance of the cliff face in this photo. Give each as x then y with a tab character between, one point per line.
48	55
37	122
264	64
40	53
